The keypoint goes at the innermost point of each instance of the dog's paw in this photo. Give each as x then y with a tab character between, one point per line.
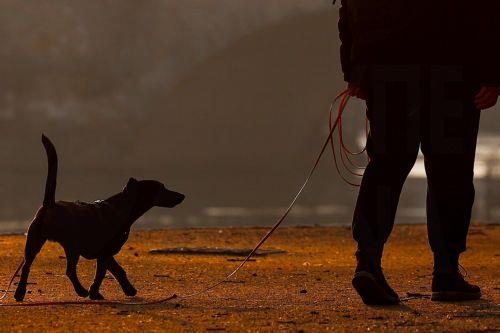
130	291
20	293
82	292
96	296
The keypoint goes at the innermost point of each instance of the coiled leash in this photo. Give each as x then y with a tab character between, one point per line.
344	156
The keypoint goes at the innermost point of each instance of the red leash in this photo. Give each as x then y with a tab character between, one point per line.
344	97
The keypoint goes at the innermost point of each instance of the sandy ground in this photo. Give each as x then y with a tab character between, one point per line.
306	289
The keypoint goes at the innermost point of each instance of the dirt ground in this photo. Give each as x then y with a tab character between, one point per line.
306	289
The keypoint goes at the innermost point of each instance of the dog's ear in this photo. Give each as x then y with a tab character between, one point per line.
131	185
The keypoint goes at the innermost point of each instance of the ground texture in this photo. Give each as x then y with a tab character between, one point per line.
306	289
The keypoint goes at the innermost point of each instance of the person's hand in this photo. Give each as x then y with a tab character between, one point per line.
355	91
486	97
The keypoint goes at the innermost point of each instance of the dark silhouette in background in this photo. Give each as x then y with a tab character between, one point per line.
426	69
93	230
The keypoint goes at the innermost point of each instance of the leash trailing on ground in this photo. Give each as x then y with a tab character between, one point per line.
344	155
12	280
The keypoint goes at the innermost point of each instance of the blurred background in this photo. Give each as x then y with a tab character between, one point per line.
223	100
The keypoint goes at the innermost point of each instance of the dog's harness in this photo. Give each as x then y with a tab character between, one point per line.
110	222
100	207
334	123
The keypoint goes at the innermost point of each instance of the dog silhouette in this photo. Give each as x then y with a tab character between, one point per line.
95	230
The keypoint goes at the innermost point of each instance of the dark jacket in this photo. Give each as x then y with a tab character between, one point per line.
399	32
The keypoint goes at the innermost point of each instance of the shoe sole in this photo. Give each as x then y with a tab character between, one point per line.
447	296
370	291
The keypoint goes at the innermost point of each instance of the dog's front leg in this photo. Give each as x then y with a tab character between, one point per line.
71	263
120	275
100	273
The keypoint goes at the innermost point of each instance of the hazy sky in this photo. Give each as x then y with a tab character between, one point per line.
99	50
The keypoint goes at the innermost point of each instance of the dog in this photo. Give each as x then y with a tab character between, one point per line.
95	230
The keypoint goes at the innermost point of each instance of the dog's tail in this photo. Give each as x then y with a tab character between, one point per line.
51	182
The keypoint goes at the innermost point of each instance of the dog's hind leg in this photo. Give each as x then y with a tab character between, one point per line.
100	273
120	275
34	243
71	263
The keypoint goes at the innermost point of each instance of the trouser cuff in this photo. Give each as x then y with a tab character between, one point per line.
445	263
373	252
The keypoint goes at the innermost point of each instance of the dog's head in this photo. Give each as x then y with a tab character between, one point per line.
153	192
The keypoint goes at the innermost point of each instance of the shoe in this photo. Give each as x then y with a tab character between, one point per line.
370	283
453	287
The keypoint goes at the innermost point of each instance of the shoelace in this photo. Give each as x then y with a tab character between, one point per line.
462	271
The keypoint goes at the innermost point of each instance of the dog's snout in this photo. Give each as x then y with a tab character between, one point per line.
167	198
180	197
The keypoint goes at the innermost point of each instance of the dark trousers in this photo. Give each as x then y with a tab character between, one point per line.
430	107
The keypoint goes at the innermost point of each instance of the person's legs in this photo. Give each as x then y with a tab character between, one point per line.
449	135
393	142
393	95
